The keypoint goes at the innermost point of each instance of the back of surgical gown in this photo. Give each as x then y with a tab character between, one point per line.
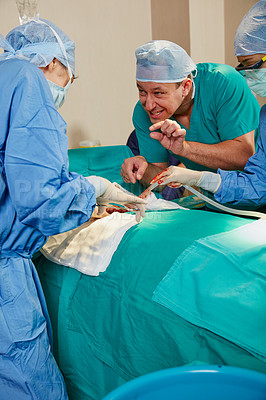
38	198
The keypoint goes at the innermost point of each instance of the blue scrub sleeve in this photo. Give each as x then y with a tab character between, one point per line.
43	192
247	188
149	148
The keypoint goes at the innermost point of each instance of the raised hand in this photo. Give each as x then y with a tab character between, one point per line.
172	136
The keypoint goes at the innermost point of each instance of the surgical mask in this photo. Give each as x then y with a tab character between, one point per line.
256	80
59	93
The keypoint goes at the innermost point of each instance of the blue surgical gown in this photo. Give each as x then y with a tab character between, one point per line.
248	188
38	197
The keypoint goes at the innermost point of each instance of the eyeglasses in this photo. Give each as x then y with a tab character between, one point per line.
257	65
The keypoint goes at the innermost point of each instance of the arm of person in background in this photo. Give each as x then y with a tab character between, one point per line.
168	193
150	157
230	154
247	188
138	169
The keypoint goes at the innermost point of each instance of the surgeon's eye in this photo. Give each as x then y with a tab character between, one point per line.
142	92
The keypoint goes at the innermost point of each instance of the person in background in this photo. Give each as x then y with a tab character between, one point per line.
39	197
168	193
207	108
246	189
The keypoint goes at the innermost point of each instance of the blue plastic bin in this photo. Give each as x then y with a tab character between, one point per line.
194	383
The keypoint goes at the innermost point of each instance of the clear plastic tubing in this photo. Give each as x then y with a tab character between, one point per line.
246	213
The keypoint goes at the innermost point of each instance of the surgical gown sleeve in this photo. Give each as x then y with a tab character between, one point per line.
44	193
247	188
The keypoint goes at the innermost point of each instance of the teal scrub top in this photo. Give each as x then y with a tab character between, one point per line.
224	108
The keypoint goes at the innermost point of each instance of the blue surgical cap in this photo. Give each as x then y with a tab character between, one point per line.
36	42
250	36
163	61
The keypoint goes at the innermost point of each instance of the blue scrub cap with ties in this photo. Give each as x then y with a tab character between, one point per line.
37	41
163	61
250	36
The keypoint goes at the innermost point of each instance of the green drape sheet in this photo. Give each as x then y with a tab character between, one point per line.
107	329
219	283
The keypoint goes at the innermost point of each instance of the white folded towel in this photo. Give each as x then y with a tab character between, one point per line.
90	247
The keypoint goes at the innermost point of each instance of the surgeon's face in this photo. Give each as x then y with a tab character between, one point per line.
61	76
57	73
161	100
251	59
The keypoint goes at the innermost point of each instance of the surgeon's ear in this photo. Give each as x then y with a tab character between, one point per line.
186	86
50	67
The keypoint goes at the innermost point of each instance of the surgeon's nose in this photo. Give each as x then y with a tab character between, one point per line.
149	104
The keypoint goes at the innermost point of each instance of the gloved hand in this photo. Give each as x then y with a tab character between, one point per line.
204	179
107	192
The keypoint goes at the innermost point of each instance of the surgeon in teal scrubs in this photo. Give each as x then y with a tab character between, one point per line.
207	107
39	197
242	189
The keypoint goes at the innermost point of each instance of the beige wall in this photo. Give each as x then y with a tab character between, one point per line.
204	28
207	30
9	16
170	21
191	24
107	32
234	11
100	102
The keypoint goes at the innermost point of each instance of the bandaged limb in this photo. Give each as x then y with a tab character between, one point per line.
176	176
107	193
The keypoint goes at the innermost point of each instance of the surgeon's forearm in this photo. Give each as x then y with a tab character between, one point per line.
228	155
152	171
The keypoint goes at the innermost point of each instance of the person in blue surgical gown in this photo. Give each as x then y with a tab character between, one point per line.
245	189
39	197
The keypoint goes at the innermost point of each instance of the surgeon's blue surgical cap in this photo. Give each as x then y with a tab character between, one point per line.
163	61
250	36
36	42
